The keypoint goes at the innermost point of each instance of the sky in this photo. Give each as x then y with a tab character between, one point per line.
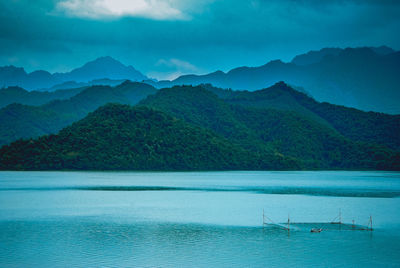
166	38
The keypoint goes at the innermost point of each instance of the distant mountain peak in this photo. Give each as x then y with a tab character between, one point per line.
315	56
218	72
358	49
104	60
383	50
101	68
276	62
282	84
12	68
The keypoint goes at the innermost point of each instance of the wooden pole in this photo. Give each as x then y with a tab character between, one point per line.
370	220
263	219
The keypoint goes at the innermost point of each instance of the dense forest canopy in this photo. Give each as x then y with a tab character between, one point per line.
208	128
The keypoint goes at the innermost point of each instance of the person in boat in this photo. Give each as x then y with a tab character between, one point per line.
316	230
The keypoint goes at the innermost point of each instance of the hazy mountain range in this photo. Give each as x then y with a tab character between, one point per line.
366	78
104	67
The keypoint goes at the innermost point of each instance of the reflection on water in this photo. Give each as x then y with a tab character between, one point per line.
196	219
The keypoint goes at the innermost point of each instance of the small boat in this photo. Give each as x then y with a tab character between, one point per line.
316	230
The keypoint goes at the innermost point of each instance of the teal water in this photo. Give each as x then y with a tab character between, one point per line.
196	219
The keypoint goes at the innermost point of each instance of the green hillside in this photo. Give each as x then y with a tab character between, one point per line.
198	128
371	127
258	127
23	121
120	137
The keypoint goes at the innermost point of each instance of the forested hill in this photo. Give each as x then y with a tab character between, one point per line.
290	132
372	127
25	121
120	137
274	128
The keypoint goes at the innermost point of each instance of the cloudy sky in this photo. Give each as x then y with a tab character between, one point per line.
166	38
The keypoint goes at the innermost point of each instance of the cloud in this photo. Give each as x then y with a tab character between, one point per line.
97	9
177	64
160	76
172	68
207	34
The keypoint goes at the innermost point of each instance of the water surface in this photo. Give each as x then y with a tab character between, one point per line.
196	219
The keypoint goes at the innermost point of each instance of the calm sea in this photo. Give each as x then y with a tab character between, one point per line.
197	219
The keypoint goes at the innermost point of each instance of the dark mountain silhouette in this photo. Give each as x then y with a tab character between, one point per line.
19	95
383	50
14	76
104	67
316	56
364	78
23	121
73	84
101	68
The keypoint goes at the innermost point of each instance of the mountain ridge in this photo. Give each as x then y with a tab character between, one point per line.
262	127
366	78
355	124
19	95
273	122
22	121
100	68
355	77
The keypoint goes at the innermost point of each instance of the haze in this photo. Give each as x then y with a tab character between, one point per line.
164	39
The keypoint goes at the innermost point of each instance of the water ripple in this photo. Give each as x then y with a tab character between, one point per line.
313	191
